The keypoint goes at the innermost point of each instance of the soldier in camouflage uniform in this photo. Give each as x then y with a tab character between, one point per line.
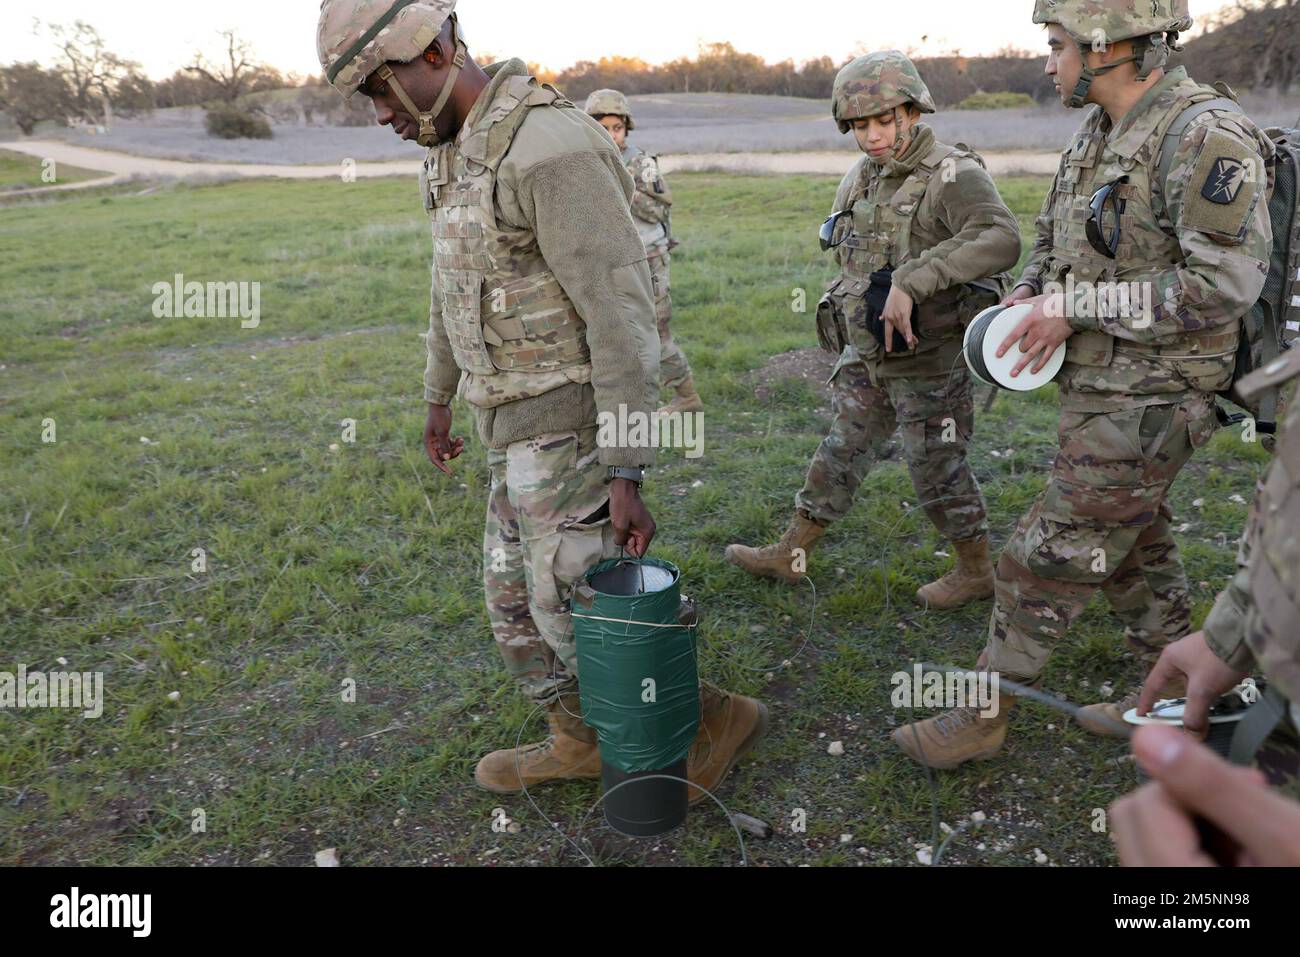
1255	624
652	213
1254	627
1138	390
542	318
931	213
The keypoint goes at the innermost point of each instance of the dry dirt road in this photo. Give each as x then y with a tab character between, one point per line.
123	166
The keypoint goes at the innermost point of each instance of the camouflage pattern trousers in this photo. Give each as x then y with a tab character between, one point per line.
547	524
936	415
1101	523
673	367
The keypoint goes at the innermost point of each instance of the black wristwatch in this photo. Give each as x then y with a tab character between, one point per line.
636	475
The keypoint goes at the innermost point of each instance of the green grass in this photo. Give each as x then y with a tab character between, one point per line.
362	563
20	171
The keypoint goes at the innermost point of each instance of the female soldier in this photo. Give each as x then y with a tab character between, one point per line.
923	240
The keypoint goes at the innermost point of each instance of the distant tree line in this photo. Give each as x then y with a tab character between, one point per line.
87	83
1251	44
721	68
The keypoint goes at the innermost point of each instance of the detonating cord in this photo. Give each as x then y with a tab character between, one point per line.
554	825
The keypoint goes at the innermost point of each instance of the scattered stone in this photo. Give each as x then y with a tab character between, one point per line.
836	748
328	857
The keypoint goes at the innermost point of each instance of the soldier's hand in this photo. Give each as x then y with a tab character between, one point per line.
438	443
897	315
1206	675
634	528
1156	826
1042	332
1021	293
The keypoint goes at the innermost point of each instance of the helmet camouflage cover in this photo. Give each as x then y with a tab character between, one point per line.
610	103
1112	20
876	83
355	37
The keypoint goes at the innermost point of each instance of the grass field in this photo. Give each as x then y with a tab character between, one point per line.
20	171
328	562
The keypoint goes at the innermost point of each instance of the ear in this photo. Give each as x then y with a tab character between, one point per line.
433	54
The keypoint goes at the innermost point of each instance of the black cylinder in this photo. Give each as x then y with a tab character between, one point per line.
645	808
1218	740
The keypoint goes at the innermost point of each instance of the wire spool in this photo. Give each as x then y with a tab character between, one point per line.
1224	718
980	346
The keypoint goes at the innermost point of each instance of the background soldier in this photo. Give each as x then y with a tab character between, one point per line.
930	213
652	213
541	318
1137	392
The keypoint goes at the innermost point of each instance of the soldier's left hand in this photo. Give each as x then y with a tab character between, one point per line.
1043	331
1156	826
634	527
897	315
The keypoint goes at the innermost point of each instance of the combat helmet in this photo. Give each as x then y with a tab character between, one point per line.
876	83
358	37
610	103
1152	25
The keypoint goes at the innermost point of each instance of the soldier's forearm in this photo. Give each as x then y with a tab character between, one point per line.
1197	296
441	374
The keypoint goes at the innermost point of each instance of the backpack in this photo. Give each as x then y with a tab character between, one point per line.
1273	323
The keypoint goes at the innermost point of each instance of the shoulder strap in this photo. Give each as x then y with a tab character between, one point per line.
502	133
934	159
1174	135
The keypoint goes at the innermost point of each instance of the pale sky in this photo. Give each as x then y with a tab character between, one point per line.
163	34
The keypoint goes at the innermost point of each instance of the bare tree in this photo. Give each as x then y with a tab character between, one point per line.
236	74
92	72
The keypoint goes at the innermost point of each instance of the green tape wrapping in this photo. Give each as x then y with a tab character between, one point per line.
619	648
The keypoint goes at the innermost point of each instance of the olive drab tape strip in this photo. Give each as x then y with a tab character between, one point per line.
352	52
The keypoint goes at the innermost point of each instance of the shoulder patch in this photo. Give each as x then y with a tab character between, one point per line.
1225	180
1223	189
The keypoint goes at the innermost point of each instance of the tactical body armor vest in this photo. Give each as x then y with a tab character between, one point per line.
513	330
880	235
1097	362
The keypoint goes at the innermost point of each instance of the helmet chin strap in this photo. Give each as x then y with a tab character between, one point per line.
900	144
428	135
1143	50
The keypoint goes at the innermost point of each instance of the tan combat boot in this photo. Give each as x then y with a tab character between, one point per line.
687	400
1102	719
957	736
777	561
971	579
569	752
730	726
